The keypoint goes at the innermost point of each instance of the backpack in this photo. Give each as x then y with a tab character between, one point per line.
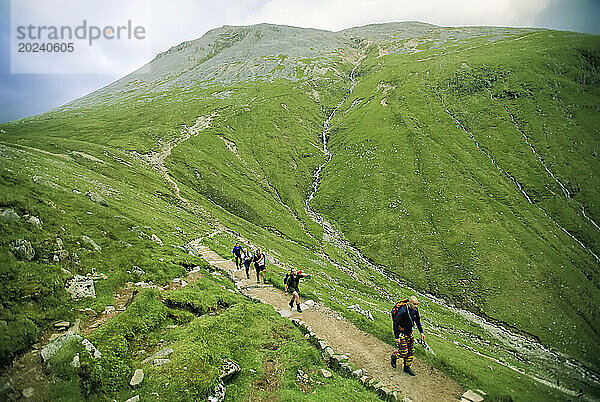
397	307
286	279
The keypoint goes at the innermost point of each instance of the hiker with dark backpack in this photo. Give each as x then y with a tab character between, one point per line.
292	282
260	263
237	254
405	315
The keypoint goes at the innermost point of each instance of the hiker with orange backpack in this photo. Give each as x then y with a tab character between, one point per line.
405	315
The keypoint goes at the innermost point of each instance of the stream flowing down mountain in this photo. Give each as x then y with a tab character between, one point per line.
521	347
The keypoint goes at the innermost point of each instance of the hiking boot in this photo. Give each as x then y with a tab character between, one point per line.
408	370
291	303
298	308
393	361
265	281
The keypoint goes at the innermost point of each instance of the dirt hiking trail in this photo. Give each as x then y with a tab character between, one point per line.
364	350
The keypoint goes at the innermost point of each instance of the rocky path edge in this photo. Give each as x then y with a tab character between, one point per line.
350	345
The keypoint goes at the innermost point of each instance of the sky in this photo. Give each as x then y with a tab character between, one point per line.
34	83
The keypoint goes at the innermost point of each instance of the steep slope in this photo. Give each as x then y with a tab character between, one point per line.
450	192
452	171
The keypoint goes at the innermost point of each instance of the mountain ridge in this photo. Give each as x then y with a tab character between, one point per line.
424	149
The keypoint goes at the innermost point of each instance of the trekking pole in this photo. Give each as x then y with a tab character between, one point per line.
426	347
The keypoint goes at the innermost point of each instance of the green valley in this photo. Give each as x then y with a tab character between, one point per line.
463	168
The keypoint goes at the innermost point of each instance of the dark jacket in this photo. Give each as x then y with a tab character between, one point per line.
237	251
293	282
403	323
259	260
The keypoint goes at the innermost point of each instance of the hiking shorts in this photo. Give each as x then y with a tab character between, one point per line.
292	290
260	268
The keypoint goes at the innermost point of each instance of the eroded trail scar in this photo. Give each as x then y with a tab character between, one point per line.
364	350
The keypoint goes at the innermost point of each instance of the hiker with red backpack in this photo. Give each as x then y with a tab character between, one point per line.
405	315
292	282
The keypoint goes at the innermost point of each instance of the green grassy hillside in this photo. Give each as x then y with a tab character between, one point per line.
458	160
432	157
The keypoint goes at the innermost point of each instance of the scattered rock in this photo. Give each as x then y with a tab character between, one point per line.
158	355
133	399
285	313
75	363
28	392
22	249
81	287
8	215
138	271
357	373
138	377
328	352
34	220
90	243
322	344
76	191
97	198
109	310
386	392
50	349
472	396
89	346
218	393
309	303
157	239
359	310
325	373
62	325
228	369
160	362
43	181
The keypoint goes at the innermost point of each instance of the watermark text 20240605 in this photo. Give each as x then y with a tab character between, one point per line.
84	31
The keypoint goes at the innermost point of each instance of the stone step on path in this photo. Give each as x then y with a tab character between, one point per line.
366	352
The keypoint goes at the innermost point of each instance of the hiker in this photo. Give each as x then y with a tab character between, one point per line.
405	315
237	253
291	281
260	263
247	261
